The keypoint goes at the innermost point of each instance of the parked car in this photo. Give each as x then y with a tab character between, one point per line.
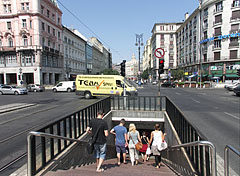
35	88
168	84
237	90
231	87
8	89
67	86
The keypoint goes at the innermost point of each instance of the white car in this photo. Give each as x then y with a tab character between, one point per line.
65	86
7	89
232	86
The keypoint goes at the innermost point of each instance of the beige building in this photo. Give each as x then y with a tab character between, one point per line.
132	68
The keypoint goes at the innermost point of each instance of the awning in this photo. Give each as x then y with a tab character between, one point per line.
232	76
192	76
205	75
215	75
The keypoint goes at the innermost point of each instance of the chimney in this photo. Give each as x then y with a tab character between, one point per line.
186	15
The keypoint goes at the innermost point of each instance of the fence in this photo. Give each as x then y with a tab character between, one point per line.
43	150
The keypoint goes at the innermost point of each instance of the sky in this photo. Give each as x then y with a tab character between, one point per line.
116	22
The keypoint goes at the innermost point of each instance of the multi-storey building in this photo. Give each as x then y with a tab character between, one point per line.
163	36
147	55
132	67
74	45
89	58
206	43
30	42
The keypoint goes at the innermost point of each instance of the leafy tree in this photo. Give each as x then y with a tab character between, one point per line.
110	71
177	74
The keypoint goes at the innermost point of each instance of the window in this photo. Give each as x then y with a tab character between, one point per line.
49	29
7	8
43	41
217	56
53	17
233	54
234	28
218	18
30	24
42	10
217	31
24	23
219	6
25	40
59	35
49	43
0	43
236	3
65	39
217	43
48	13
9	26
236	14
53	45
22	6
58	20
30	40
205	13
53	32
10	42
43	26
27	6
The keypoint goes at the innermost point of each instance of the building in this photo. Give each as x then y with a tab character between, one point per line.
206	43
89	58
101	57
164	37
132	68
30	42
74	45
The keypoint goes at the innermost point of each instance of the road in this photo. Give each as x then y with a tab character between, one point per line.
15	125
215	112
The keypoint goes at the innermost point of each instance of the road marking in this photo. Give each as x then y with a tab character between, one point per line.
232	115
178	93
195	100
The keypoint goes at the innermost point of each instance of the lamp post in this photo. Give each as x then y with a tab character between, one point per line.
139	43
200	48
68	70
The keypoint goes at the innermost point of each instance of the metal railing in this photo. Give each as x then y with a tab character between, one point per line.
72	126
188	133
138	103
203	160
226	158
30	170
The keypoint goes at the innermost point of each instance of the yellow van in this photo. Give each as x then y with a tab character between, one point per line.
100	85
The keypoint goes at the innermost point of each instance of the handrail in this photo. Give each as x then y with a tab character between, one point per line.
226	158
40	134
202	143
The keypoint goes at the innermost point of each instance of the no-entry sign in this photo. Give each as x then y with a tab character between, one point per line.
159	53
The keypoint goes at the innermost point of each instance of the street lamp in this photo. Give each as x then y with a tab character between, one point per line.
200	48
20	75
68	70
139	43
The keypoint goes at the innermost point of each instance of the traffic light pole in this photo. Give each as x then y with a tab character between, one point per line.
159	80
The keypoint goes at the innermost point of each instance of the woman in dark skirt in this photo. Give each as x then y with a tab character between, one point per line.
145	142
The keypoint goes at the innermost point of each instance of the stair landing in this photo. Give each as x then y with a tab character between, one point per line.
111	168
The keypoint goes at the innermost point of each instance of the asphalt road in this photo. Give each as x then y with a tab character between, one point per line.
15	125
215	112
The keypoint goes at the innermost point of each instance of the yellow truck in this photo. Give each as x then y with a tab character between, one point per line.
101	85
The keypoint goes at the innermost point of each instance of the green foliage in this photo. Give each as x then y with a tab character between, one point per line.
110	72
145	74
180	83
177	74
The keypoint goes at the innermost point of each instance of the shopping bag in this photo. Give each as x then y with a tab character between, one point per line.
162	145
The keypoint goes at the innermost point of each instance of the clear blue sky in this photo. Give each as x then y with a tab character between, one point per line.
117	21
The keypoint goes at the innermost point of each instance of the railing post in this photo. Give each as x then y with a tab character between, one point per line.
31	155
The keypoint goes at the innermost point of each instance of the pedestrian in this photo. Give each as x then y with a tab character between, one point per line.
157	137
99	128
145	142
134	138
120	132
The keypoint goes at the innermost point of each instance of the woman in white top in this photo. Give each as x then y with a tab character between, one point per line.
156	137
133	137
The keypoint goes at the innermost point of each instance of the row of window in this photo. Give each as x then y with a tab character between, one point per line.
71	42
53	32
50	44
12	59
72	53
75	65
24	24
24	41
50	15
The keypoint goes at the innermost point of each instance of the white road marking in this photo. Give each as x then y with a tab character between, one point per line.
178	93
195	100
232	115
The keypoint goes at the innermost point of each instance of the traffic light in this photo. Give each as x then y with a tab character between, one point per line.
123	68
238	72
161	66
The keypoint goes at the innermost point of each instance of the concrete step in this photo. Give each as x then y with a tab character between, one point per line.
111	168
14	106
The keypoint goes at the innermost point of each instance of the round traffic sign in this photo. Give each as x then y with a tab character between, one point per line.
159	53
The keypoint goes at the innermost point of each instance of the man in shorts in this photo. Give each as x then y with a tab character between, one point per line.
121	140
100	145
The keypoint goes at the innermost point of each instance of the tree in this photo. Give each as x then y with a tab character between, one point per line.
110	71
145	74
177	74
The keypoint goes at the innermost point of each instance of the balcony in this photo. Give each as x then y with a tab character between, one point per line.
216	47
234	19
215	23
234	44
7	48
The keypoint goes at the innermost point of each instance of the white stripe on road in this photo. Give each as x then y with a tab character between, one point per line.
232	115
195	100
178	93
